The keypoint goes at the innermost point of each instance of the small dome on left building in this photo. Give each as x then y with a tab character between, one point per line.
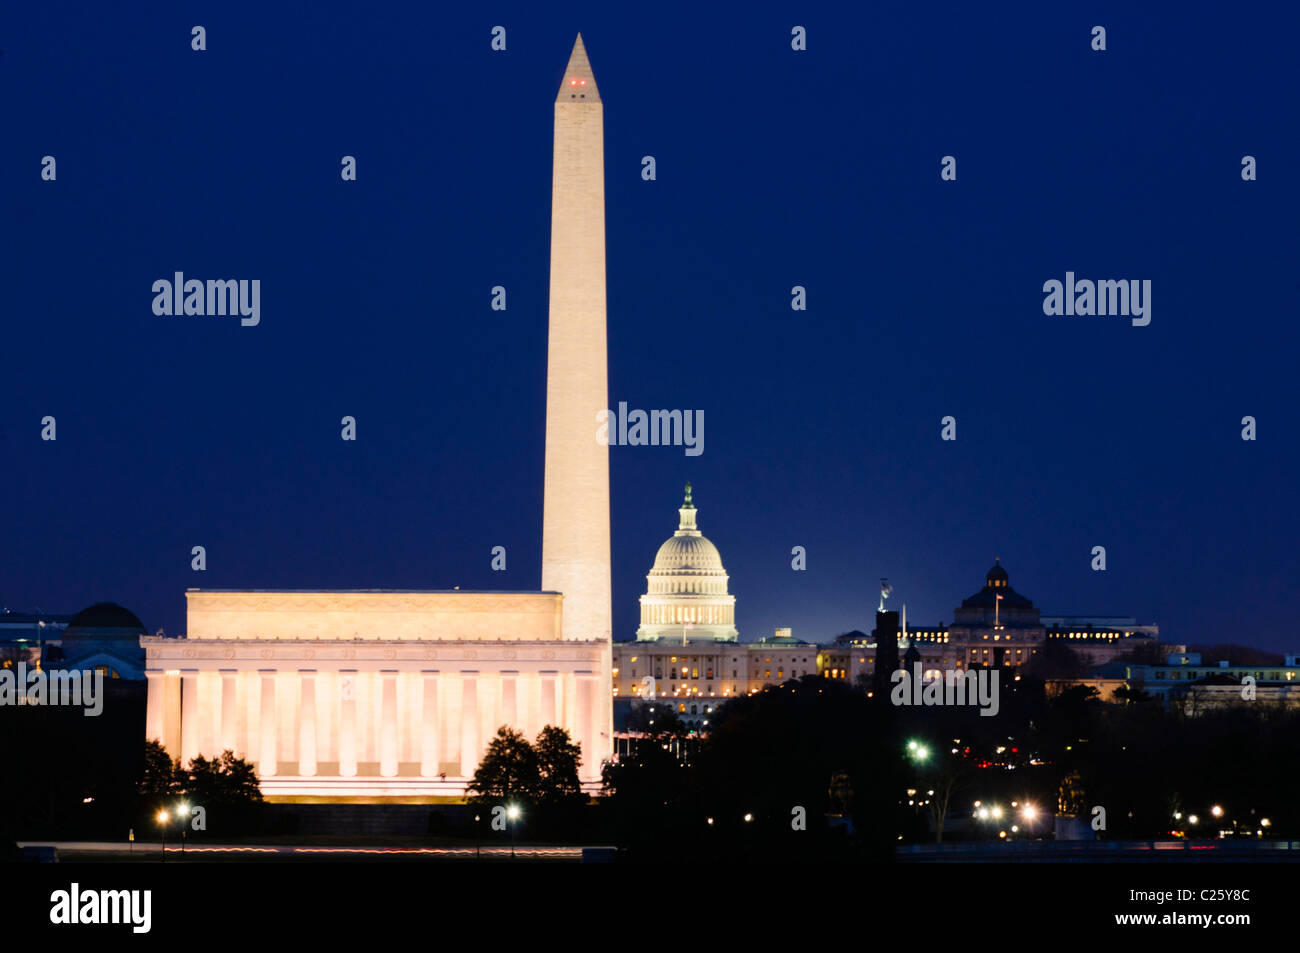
102	636
106	615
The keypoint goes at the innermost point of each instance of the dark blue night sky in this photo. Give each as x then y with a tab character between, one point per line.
775	168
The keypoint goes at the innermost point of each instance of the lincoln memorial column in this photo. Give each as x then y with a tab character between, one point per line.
266	761
347	724
388	726
244	684
154	712
569	704
226	738
548	699
509	700
209	694
307	725
172	713
469	732
586	725
429	726
189	715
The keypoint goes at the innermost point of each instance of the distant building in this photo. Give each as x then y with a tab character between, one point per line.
1184	681
995	627
1099	639
105	638
687	651
688	646
999	627
24	635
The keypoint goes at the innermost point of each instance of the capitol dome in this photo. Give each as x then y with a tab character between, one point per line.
685	553
686	590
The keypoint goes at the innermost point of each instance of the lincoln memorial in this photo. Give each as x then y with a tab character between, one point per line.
372	694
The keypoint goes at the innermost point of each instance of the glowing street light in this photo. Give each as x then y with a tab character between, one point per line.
1216	811
162	822
183	815
512	814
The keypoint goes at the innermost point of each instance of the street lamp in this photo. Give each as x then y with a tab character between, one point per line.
512	814
162	822
183	813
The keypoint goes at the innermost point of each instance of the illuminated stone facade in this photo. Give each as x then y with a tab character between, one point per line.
373	694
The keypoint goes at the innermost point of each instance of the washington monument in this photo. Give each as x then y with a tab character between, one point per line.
575	521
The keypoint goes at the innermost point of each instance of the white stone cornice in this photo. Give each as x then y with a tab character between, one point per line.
369	652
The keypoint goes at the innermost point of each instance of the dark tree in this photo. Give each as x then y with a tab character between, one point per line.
509	769
223	781
161	777
1132	695
558	759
